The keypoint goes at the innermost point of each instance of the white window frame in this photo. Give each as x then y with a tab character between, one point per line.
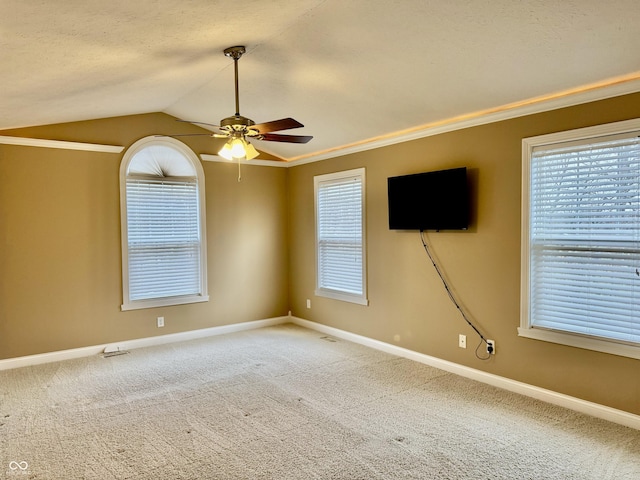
322	290
526	328
189	155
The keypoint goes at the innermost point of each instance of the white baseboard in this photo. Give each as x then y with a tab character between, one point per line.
61	355
594	409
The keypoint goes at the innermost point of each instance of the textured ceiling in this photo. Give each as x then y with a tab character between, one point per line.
351	71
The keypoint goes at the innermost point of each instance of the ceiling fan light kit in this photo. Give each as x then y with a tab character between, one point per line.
238	149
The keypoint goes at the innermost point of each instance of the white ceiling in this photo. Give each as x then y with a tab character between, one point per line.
351	71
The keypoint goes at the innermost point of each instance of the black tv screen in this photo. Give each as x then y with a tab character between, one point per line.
429	201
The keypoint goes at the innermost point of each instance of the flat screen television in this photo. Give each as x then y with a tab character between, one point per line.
429	201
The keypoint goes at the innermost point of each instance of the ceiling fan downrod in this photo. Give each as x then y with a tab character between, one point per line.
235	53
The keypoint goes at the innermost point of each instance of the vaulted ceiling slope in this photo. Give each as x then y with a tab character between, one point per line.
353	72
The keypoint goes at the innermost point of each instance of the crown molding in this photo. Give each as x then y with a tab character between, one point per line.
44	143
590	93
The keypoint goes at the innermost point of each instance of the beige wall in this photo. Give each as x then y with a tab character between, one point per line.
407	300
60	251
60	273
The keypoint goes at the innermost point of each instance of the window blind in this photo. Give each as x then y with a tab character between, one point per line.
339	235
163	238
585	237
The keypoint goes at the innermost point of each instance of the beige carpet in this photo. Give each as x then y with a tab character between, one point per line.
289	403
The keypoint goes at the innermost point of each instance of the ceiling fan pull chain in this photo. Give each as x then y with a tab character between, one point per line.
239	173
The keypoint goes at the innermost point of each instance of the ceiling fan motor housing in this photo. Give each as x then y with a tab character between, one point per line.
236	122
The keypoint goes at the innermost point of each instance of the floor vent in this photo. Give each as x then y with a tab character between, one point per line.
108	352
328	339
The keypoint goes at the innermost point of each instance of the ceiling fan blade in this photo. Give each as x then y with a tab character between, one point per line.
274	137
198	123
189	135
276	125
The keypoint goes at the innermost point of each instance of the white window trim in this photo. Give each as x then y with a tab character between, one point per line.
336	294
525	329
128	304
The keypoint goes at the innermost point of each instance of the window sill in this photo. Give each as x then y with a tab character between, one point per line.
580	341
163	302
345	297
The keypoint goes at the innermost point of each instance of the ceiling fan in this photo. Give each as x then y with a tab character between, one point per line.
238	129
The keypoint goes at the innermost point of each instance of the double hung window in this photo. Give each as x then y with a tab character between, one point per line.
581	238
340	236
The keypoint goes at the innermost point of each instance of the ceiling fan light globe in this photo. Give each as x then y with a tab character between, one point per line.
225	152
251	151
238	149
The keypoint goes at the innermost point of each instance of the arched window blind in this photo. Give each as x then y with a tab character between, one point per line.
164	257
340	246
584	237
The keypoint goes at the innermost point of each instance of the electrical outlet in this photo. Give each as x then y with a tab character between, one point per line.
160	321
462	341
491	347
308	303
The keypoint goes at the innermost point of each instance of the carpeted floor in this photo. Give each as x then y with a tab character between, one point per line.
289	403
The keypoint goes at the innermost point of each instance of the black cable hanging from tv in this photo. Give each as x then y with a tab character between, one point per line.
452	297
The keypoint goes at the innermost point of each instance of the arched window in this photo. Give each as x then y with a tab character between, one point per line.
163	225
